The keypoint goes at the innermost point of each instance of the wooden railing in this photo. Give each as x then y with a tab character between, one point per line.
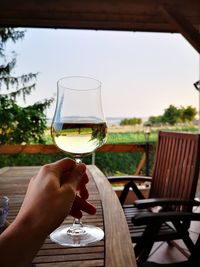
49	149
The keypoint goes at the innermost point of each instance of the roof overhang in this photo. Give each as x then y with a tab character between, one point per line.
175	16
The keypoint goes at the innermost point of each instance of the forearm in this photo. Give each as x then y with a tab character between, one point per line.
51	191
19	243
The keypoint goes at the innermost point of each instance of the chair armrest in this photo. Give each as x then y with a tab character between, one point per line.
127	178
149	217
129	181
153	202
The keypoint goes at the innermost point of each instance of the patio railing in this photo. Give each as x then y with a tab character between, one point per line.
49	149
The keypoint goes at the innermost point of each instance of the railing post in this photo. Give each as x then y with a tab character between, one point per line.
147	158
93	158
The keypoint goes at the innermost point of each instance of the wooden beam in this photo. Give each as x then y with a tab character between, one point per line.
182	25
49	149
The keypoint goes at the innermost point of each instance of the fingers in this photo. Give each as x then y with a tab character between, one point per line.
84	180
70	172
80	205
63	165
75	177
76	213
83	192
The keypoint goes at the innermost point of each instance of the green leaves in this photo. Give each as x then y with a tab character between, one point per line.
19	125
173	115
131	121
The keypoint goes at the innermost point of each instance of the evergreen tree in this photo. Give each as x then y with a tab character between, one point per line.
18	125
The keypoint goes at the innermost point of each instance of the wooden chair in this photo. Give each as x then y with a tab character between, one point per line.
154	224
174	178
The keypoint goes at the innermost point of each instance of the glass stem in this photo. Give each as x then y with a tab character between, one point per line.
77	222
77	227
78	160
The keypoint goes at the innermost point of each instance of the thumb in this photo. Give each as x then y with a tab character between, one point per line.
75	177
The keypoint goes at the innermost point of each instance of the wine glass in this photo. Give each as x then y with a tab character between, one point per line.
78	128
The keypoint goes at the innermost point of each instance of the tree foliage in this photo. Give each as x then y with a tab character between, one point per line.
173	115
188	114
17	124
156	119
131	121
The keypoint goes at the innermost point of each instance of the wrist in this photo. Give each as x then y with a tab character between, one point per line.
20	235
31	226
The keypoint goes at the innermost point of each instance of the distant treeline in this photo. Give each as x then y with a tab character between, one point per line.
131	121
172	115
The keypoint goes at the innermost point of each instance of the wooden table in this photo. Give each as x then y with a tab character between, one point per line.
115	250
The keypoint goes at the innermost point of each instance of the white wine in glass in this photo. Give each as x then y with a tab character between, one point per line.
78	128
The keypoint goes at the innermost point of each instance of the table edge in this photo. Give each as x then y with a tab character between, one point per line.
119	250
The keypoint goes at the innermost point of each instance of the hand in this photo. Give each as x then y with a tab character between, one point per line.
51	195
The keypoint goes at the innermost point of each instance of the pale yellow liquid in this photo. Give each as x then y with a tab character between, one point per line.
79	139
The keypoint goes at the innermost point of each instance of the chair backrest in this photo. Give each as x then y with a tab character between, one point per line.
176	165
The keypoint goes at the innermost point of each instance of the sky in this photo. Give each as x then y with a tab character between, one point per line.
141	73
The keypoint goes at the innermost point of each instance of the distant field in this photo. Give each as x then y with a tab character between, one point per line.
133	134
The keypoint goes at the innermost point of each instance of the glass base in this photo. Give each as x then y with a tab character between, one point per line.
89	234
